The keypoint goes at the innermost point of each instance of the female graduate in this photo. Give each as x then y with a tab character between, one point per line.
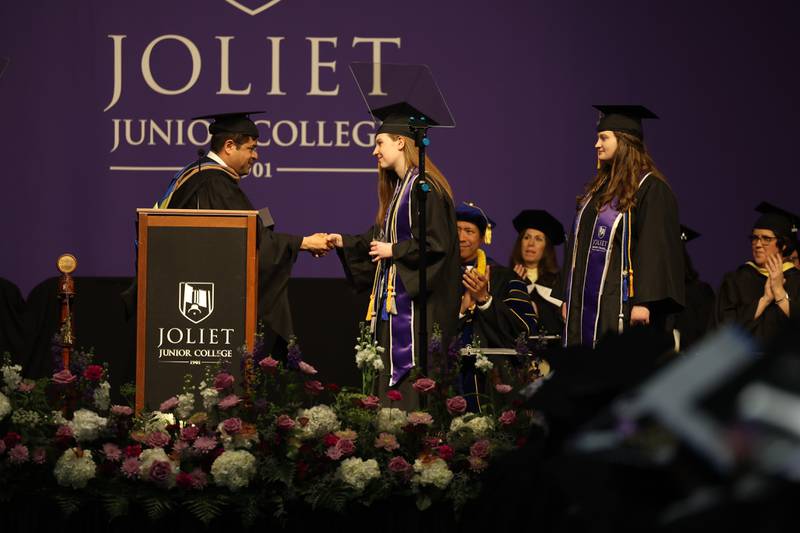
623	264
763	293
385	259
533	258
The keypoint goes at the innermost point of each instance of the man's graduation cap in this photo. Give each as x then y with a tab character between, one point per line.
688	234
541	220
624	118
232	123
470	212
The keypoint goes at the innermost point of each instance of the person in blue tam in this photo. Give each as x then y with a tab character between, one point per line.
495	306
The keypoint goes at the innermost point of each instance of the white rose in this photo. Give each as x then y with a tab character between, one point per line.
86	425
75	468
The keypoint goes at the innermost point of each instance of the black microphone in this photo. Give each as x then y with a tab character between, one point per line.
200	154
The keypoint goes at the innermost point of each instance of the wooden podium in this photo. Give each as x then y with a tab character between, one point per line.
196	299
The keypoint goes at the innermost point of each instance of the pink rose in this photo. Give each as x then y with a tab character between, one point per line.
386	441
26	386
222	381
64	377
418	418
168	405
424	385
285	422
456	405
508	417
394	395
313	387
112	452
445	452
305	368
346	446
480	448
370	402
18	454
399	465
189	433
93	372
199	479
64	432
130	468
184	480
232	425
157	439
39	456
121	410
334	453
229	401
502	388
268	364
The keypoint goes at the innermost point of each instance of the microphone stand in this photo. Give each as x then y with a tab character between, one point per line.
419	127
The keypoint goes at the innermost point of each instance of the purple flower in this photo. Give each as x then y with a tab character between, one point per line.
189	433
64	377
160	471
204	444
39	456
229	401
168	405
121	410
231	426
18	454
293	355
130	468
222	381
112	452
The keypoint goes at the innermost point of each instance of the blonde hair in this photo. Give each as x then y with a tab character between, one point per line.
387	178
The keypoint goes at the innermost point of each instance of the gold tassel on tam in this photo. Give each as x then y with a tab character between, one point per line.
487	237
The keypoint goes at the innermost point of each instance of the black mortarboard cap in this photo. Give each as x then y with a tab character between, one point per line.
781	222
624	118
398	118
541	220
688	234
470	212
232	123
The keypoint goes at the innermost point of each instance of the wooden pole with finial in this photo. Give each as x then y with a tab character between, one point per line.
66	292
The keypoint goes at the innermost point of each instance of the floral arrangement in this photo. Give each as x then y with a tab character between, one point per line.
284	438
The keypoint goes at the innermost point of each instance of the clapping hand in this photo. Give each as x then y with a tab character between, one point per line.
776	280
521	271
477	284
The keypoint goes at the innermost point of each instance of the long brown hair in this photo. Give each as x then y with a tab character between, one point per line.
547	265
622	174
387	178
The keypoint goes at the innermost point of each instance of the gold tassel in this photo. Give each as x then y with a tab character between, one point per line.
487	238
390	303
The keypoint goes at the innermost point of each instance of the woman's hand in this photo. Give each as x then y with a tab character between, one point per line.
335	239
776	279
521	271
640	315
380	250
768	295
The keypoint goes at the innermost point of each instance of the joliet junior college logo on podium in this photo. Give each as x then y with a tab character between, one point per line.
196	300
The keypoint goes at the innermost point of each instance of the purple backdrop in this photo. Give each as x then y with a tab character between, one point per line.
520	78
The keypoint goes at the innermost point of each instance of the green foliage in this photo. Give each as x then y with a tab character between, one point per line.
206	508
69	503
156	506
116	505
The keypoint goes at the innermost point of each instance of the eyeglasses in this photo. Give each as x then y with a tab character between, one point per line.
763	239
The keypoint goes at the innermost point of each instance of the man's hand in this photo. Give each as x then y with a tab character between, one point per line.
335	240
477	284
316	244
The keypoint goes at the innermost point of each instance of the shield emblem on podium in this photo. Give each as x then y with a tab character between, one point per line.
196	300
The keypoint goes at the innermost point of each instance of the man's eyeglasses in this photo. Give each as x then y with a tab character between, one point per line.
763	239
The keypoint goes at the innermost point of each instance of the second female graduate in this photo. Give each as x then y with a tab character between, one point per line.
623	264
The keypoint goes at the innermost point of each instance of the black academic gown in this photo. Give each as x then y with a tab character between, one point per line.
549	313
738	299
697	316
656	257
509	315
277	252
443	268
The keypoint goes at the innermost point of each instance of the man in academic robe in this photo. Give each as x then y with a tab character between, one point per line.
496	309
697	316
762	294
212	182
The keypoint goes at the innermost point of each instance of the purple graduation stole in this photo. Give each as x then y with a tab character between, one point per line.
394	303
